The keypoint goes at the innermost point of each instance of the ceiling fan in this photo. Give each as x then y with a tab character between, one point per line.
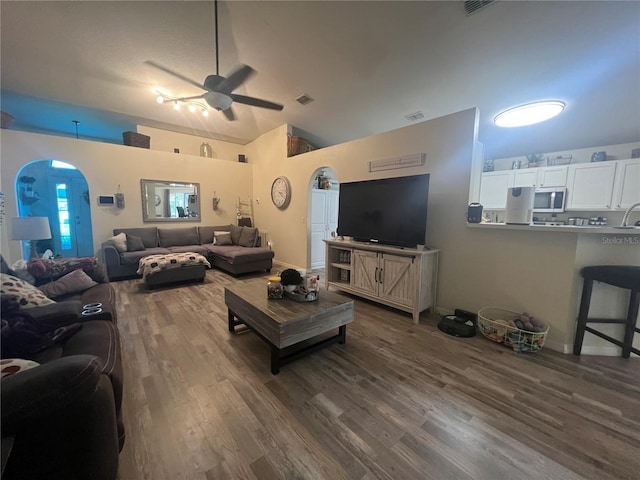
219	90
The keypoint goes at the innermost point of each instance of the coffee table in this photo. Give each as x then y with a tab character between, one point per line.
289	327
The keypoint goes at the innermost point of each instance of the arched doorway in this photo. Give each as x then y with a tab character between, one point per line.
323	213
58	191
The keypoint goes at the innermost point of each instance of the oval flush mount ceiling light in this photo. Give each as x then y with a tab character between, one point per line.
529	114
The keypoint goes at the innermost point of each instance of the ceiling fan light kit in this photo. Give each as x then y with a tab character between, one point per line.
218	89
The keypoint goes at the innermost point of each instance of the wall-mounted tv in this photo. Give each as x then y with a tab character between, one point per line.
391	211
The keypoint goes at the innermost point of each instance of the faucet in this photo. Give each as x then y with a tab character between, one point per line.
625	217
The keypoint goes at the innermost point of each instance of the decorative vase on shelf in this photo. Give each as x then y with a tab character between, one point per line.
205	150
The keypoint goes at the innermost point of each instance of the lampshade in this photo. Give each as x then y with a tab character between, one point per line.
30	228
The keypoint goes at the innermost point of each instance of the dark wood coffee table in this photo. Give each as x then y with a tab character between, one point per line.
289	327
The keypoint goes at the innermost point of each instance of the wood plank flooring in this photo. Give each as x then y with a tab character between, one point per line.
398	401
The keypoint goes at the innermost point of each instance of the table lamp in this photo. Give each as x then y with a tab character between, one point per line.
32	229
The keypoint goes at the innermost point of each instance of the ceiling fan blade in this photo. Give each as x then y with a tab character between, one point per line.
256	102
229	114
175	74
236	79
184	99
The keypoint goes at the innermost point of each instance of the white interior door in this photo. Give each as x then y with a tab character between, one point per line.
318	227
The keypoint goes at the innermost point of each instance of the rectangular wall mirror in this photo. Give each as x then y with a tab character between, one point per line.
169	201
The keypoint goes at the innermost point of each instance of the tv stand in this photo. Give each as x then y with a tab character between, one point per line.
403	278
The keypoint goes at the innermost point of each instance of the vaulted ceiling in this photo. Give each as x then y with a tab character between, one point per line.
366	64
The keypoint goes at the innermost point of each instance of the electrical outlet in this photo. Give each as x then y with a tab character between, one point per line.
301	219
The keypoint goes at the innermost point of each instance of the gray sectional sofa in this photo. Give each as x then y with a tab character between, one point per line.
234	249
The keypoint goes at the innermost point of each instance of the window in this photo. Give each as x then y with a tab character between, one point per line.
62	202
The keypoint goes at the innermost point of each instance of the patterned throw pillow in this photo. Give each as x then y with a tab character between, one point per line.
23	293
9	366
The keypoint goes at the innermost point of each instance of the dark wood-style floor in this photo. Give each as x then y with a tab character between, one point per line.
398	401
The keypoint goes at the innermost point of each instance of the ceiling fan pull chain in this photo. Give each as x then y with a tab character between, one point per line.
215	14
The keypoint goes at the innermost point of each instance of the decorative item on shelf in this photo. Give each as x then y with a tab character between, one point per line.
556	160
534	159
290	279
5	119
274	287
488	165
297	145
599	156
135	139
28	195
205	150
515	165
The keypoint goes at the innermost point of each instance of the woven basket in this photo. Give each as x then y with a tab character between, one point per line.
297	145
135	139
496	324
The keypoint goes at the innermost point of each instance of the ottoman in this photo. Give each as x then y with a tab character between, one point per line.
158	270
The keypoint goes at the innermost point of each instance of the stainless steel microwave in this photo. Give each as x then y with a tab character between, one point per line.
549	199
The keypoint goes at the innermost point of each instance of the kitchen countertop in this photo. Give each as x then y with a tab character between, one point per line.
588	229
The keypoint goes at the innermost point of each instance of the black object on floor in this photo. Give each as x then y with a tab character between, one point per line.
457	326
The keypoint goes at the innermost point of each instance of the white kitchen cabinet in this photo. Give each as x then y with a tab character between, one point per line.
590	186
553	176
493	189
525	178
627	185
403	278
324	220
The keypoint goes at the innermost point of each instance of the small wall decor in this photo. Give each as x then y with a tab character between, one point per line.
405	161
205	150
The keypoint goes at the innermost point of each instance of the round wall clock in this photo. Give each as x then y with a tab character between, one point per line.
281	192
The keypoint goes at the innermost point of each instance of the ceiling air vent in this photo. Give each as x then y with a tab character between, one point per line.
472	6
414	116
304	99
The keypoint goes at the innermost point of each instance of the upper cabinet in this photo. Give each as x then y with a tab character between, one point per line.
590	186
553	176
626	190
493	189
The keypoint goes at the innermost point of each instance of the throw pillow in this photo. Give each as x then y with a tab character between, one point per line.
235	234
74	282
9	366
248	237
119	241
23	293
134	244
217	234
222	238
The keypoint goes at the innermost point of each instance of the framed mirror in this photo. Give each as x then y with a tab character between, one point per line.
169	201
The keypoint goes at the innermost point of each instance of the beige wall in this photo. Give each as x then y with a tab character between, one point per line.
106	166
166	141
520	270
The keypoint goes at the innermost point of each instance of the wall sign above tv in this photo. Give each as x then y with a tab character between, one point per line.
405	161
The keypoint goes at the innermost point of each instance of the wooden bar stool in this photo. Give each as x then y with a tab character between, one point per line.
619	276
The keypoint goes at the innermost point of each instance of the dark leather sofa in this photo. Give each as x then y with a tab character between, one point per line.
63	419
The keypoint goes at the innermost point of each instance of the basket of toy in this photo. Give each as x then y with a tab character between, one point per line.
521	331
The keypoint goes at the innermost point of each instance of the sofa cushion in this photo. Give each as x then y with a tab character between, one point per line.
206	233
235	234
248	237
238	255
22	293
172	237
46	270
119	241
222	238
76	281
132	258
134	244
201	249
149	235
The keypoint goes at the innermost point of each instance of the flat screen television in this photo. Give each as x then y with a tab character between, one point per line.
391	211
